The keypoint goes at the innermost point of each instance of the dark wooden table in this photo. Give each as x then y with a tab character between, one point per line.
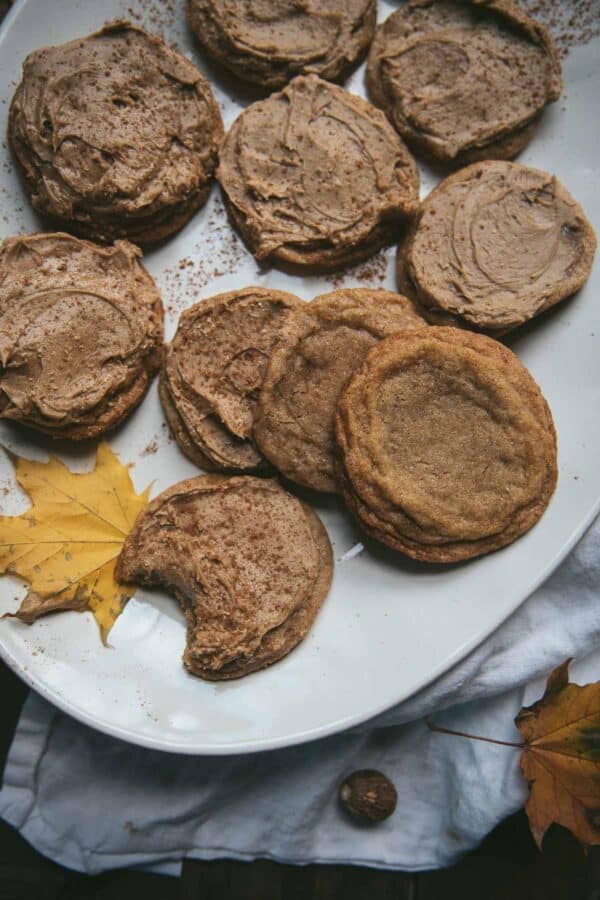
507	866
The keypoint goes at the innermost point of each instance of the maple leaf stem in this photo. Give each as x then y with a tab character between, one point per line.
474	737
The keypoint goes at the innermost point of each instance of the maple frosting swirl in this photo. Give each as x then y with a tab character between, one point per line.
80	333
271	41
497	243
315	176
462	80
116	134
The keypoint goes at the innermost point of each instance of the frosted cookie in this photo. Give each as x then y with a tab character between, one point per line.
326	341
495	245
463	81
250	564
116	135
268	42
315	177
80	333
447	446
213	371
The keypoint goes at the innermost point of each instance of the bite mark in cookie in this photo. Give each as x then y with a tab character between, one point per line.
250	564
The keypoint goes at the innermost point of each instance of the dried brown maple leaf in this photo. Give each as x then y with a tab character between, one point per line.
560	757
67	543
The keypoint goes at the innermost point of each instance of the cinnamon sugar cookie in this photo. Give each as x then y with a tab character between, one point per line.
326	340
447	446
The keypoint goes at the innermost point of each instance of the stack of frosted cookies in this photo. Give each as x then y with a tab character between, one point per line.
213	371
116	137
271	42
494	245
463	80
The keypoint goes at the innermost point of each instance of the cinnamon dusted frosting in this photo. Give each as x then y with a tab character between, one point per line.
316	177
116	134
213	371
270	41
496	244
447	446
250	564
463	80
80	333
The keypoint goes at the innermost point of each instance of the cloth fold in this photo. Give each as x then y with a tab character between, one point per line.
92	803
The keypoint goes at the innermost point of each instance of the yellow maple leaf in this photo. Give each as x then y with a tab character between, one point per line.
65	546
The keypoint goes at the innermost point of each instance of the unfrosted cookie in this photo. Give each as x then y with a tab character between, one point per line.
494	245
463	81
447	446
250	564
268	42
80	333
315	177
116	134
326	340
213	371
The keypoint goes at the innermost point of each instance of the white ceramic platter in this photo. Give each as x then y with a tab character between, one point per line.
389	626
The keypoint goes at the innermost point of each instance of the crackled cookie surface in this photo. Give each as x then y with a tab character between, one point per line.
447	446
80	333
249	563
268	42
463	81
326	341
213	371
496	244
116	134
316	177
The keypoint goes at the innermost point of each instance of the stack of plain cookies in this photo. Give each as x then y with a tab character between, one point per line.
404	403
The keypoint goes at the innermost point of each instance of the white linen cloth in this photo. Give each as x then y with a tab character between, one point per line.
92	802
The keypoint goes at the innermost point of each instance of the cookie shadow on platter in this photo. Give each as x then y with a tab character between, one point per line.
25	440
326	504
393	559
320	500
28	442
238	91
535	329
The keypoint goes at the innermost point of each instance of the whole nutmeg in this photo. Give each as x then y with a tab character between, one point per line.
368	795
